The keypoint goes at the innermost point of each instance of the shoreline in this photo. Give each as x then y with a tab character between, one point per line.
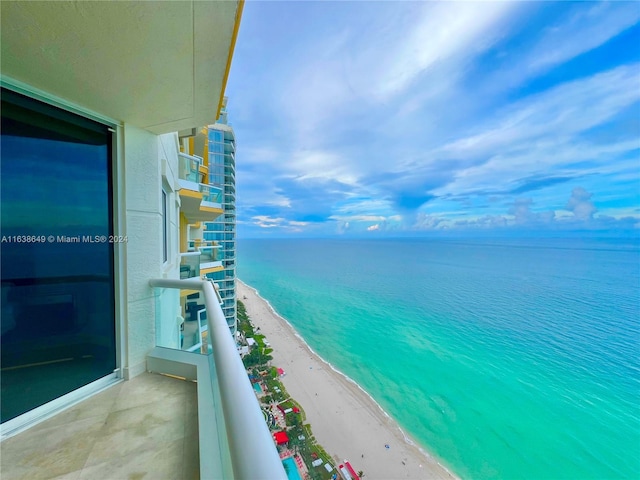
345	418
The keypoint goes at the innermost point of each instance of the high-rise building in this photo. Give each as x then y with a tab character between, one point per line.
103	281
222	173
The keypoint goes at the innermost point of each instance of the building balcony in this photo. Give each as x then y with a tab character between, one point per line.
203	258
234	440
210	259
228	295
193	414
199	202
190	265
189	168
211	195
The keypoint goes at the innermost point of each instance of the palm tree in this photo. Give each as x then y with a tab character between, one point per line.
360	473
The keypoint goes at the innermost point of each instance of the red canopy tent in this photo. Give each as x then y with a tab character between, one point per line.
281	437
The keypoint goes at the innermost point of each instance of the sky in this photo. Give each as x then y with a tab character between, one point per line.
371	119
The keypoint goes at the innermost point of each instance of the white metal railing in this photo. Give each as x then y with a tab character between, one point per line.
253	453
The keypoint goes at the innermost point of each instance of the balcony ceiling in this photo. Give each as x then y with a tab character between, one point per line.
160	66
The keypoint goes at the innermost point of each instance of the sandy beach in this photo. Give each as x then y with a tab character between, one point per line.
344	419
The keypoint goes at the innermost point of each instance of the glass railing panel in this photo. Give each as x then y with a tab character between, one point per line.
167	323
188	168
210	254
210	193
181	320
226	466
189	265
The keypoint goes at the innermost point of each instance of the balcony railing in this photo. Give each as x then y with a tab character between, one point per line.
210	257
235	442
211	194
189	167
209	253
189	265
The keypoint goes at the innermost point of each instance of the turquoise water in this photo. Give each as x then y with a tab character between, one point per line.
257	387
291	469
505	359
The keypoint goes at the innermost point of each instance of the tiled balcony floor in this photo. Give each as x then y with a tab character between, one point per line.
145	428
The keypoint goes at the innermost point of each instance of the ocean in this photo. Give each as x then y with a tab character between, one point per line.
503	358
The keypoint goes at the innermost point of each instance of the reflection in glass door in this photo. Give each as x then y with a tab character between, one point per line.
58	327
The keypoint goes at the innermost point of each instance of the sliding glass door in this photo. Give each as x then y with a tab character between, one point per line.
57	269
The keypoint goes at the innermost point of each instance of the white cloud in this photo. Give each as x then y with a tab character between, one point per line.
522	214
380	103
373	228
584	30
581	205
343	227
567	109
425	221
360	218
434	33
542	132
376	53
265	221
322	164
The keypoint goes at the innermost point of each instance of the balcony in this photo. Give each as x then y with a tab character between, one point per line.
234	440
189	170
211	195
160	424
210	259
190	265
199	201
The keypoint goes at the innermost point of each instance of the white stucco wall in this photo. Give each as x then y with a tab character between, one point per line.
149	162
